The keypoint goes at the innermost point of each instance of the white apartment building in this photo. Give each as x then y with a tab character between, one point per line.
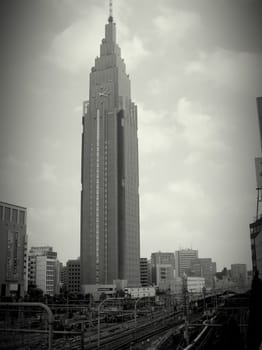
44	270
47	274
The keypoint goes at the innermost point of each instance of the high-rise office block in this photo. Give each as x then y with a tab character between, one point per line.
256	226
259	111
183	260
13	249
110	238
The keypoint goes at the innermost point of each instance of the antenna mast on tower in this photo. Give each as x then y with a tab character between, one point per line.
110	18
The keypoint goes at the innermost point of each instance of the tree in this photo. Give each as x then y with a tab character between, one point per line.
35	294
102	296
120	293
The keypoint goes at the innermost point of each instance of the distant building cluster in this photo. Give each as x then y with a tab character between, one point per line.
23	270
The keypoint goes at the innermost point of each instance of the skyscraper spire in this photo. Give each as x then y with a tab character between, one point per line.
110	18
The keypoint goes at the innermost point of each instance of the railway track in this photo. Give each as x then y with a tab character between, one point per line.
123	339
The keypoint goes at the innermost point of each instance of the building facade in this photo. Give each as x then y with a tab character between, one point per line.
44	270
238	274
163	267
32	257
13	250
164	276
256	245
195	284
183	260
47	275
110	234
204	267
73	276
256	225
140	292
145	272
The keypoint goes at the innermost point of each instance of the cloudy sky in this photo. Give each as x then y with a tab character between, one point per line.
195	68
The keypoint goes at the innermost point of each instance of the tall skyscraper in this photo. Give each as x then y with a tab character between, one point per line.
110	238
13	250
256	226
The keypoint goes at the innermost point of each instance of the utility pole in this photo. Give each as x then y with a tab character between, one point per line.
185	307
204	299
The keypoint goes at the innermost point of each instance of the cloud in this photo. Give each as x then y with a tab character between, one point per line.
155	87
155	132
187	189
197	123
15	174
176	23
178	211
234	70
75	48
48	174
64	228
186	125
199	129
134	52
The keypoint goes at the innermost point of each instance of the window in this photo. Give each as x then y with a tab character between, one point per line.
7	214
21	217
14	216
1	212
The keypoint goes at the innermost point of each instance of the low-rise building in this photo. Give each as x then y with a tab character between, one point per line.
47	275
163	269
224	283
44	270
140	292
204	267
97	290
161	258
73	276
145	272
239	274
194	285
164	276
